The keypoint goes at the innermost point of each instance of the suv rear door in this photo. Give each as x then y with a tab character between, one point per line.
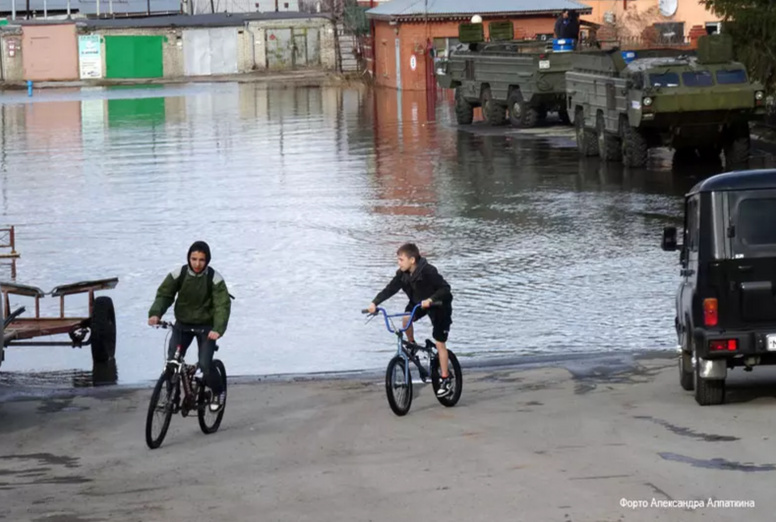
747	277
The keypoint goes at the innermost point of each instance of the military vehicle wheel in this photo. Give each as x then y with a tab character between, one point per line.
494	113
587	141
685	156
521	115
635	149
709	154
464	111
563	115
738	145
609	146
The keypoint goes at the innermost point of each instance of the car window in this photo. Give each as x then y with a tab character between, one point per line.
693	221
725	77
756	217
697	79
664	79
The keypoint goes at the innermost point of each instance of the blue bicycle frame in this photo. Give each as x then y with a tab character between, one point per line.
400	336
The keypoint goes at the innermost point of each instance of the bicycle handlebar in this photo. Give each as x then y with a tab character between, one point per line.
387	317
172	326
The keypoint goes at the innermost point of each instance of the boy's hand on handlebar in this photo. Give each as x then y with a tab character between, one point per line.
153	321
213	336
372	308
426	303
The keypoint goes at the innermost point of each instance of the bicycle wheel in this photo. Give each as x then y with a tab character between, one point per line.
160	411
398	387
456	379
209	421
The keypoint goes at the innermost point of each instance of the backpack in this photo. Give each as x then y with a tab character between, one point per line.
211	273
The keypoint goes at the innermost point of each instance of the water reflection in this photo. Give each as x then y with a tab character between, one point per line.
304	195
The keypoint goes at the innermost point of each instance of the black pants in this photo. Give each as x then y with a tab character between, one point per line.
207	348
441	319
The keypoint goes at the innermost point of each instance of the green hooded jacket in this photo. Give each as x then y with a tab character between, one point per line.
194	305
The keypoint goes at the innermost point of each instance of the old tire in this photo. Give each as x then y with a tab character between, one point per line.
454	369
738	146
464	111
494	113
635	149
587	142
609	146
708	392
103	330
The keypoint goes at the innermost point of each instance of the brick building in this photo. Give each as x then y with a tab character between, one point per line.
405	31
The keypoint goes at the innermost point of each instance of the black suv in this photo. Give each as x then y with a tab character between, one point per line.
725	305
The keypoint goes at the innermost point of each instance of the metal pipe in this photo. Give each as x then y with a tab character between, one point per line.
68	9
13	9
45	10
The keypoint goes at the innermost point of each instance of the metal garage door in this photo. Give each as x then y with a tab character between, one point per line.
210	51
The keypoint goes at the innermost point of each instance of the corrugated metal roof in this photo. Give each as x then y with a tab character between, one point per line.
89	7
204	20
441	8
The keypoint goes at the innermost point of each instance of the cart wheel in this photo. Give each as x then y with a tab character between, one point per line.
103	326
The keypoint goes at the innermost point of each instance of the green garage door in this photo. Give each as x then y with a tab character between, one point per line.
133	56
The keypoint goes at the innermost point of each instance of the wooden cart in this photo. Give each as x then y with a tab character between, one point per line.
97	330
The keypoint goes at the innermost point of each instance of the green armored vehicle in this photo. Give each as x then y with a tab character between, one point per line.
517	80
698	103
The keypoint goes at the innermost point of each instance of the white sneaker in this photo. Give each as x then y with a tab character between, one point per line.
217	402
445	387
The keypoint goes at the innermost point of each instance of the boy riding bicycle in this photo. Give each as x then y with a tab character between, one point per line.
423	284
203	303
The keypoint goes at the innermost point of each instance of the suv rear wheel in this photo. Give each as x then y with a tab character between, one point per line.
686	379
708	392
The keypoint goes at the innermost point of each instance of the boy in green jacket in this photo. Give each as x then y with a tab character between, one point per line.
203	303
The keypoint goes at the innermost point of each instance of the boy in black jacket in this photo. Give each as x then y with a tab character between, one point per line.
423	284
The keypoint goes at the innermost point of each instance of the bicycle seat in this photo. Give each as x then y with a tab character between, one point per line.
430	344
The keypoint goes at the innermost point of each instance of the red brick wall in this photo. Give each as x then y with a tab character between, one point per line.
413	39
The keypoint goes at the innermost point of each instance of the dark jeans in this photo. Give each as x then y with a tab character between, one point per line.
207	348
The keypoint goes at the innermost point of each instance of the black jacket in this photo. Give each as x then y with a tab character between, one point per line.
424	283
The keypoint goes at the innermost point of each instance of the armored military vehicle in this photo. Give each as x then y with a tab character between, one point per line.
694	102
516	80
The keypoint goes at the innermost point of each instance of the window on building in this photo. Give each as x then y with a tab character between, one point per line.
443	46
285	5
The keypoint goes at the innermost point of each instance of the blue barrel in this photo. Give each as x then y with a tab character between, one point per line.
628	56
560	45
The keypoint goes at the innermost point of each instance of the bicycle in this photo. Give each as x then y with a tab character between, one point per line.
398	378
177	376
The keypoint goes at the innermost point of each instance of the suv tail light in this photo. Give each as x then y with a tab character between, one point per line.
723	345
710	312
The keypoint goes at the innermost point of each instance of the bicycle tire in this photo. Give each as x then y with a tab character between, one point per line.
151	441
457	380
203	410
400	405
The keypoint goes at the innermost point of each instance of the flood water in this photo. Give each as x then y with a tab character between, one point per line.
304	194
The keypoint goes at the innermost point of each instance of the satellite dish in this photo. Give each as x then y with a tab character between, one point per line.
668	7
